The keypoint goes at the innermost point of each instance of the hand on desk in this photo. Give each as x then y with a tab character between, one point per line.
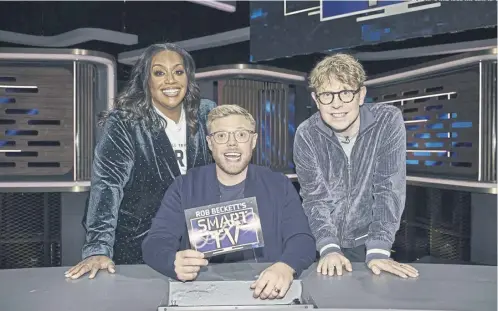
188	263
91	264
273	282
333	262
394	267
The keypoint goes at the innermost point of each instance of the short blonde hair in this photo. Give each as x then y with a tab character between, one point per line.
222	111
342	67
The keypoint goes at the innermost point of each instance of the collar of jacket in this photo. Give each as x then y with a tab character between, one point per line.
214	184
367	120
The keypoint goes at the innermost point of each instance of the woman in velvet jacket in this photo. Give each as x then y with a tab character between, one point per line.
155	132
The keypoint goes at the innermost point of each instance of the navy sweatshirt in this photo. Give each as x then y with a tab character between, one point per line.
285	227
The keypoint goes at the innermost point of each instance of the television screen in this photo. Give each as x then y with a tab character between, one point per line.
288	28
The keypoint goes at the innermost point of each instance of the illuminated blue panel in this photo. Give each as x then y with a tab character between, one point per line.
435	126
422	154
412	145
4	143
335	8
274	111
461	124
447	116
22	111
447	135
7	100
434	145
257	13
423	135
412	162
433	163
412	127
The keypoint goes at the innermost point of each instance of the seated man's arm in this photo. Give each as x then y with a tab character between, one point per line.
299	243
317	200
389	190
163	239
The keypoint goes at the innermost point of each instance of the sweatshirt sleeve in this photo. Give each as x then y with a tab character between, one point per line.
299	244
389	190
317	200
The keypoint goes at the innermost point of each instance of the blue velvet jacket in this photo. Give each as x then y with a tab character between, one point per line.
132	169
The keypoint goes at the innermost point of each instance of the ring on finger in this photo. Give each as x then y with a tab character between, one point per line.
276	290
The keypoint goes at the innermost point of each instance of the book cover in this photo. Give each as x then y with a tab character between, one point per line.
224	227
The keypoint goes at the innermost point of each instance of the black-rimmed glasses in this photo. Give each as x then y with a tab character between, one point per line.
346	96
222	137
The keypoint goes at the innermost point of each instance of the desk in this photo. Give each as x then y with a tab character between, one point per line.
139	288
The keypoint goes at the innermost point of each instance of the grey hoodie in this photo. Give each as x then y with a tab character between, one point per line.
357	200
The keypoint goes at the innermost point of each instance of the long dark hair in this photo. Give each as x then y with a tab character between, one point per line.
135	101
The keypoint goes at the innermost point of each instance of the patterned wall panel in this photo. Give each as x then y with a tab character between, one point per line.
441	115
488	117
85	101
36	121
273	106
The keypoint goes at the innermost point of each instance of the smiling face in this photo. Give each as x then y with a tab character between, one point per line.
168	80
342	117
231	142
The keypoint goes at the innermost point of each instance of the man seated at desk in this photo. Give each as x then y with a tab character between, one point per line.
288	241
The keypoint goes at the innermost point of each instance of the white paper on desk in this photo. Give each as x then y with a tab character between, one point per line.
224	293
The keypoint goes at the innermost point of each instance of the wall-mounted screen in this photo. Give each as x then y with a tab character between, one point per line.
288	28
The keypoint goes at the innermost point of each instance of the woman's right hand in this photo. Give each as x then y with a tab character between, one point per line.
91	264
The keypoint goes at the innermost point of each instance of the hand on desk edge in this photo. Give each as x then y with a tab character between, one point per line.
273	282
333	262
91	264
393	267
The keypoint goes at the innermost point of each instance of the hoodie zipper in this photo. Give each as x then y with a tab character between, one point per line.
348	191
348	166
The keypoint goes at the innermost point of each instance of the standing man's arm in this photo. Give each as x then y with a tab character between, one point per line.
389	199
317	200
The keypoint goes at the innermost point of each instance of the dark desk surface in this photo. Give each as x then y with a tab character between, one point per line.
138	288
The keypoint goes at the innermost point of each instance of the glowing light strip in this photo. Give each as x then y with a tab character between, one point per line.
18	86
415	121
424	150
219	5
416	97
247	71
4	150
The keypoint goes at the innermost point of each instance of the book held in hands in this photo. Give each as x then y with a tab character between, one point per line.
224	227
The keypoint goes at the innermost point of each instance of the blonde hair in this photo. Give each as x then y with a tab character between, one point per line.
342	67
222	111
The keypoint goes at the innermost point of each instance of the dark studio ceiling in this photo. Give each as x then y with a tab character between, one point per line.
150	21
174	21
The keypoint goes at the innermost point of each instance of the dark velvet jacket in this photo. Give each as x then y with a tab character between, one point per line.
133	167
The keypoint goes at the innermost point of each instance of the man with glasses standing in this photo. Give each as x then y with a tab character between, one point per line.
288	241
351	165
